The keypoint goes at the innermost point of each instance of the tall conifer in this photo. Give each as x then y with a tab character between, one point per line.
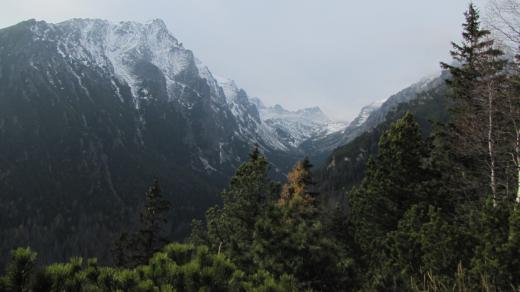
475	132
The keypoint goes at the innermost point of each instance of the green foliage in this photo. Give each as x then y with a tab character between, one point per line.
425	243
477	124
177	267
391	185
492	260
19	271
282	236
421	218
291	238
347	165
230	227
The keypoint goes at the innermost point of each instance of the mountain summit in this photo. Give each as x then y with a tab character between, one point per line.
91	111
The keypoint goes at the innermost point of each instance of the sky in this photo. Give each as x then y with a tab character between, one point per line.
336	54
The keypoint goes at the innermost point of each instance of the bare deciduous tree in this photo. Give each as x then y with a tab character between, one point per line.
503	18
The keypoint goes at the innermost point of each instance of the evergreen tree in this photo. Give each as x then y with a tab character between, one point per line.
512	252
291	238
230	228
392	183
135	249
425	243
177	267
489	226
475	131
396	179
153	217
19	271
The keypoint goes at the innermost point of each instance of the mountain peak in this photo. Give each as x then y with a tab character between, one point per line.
151	62
157	22
257	102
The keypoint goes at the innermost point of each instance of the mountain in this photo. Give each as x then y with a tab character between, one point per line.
369	118
92	111
427	100
374	114
364	114
296	127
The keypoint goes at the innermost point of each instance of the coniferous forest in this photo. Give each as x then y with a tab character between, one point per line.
430	204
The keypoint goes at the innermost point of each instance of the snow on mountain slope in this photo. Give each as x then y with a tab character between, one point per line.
127	52
370	111
375	113
296	127
248	116
118	47
365	113
369	117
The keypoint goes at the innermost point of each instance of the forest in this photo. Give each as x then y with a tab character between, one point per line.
434	208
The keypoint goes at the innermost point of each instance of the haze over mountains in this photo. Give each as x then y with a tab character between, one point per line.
91	111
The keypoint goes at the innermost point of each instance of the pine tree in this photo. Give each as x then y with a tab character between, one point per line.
19	271
137	248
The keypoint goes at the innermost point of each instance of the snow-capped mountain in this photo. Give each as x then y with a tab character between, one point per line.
91	111
246	111
365	112
153	64
368	118
296	127
372	115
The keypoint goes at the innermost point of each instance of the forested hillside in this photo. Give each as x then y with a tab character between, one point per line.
346	165
91	111
426	201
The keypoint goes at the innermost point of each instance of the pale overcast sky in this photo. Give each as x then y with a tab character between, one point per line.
336	54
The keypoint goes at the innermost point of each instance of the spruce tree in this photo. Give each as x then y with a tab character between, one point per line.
230	227
395	180
475	130
137	248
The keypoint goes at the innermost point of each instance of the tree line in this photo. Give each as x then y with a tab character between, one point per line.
434	213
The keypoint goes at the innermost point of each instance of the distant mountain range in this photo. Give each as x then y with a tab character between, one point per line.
345	166
370	116
91	111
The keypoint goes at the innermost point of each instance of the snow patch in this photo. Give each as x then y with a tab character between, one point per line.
206	164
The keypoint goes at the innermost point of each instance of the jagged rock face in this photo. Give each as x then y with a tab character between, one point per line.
91	111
